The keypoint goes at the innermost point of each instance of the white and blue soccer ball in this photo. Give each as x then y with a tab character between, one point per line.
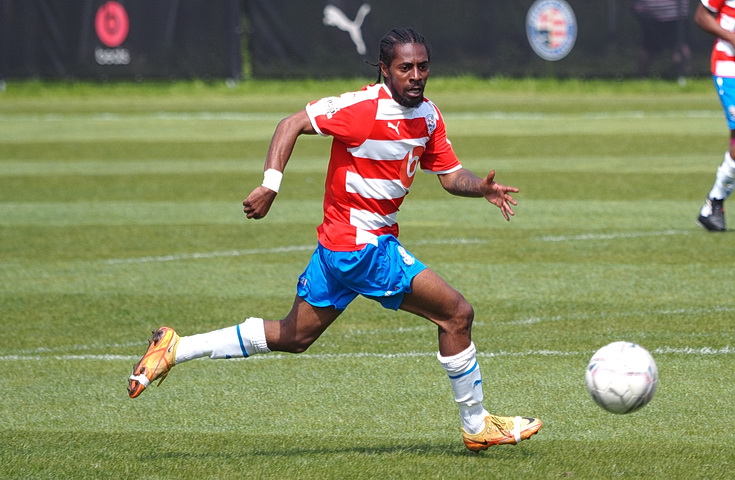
622	377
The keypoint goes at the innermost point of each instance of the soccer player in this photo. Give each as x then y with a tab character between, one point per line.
382	135
716	17
662	23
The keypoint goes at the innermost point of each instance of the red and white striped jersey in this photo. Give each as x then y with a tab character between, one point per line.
377	147
722	62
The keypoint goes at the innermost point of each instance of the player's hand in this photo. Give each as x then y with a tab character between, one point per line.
258	202
499	195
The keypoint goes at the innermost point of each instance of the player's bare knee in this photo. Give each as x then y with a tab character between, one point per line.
467	315
289	339
462	317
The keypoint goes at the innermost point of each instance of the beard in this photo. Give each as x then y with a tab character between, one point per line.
408	102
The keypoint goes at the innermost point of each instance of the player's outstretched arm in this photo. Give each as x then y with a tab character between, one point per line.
466	184
708	22
259	202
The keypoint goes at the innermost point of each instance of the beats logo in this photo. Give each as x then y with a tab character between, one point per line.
112	24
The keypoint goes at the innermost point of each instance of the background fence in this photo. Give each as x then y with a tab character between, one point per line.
282	38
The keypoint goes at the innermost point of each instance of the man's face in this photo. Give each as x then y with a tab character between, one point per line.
407	74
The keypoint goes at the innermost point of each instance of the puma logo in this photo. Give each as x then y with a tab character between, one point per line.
394	127
334	17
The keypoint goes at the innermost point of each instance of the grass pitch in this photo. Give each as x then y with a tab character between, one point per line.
120	210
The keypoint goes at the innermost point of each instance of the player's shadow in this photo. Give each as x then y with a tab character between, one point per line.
497	453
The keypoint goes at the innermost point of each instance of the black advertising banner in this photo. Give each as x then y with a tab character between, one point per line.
582	38
325	38
340	37
120	38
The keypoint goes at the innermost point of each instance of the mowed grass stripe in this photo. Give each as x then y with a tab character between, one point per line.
531	214
152	128
258	117
246	163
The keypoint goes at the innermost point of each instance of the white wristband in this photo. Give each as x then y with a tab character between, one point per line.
272	179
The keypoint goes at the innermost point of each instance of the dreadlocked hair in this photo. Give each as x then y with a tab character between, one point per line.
398	36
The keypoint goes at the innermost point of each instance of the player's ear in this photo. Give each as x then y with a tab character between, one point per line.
383	69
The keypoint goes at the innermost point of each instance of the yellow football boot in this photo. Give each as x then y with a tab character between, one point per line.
500	431
157	361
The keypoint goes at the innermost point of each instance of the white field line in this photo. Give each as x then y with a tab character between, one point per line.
692	351
584	316
265	251
454	241
500	115
204	255
610	236
114	117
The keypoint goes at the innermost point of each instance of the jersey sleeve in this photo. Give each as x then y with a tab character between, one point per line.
439	156
713	6
348	118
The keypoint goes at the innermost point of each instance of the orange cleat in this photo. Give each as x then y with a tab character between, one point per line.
157	361
501	431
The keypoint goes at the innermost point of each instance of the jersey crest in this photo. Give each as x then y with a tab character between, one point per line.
430	123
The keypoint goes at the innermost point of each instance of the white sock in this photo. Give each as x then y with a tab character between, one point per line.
243	340
724	180
464	375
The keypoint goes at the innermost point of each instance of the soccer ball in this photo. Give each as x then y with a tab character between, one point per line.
622	377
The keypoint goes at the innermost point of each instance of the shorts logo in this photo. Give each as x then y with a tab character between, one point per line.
551	28
731	112
407	257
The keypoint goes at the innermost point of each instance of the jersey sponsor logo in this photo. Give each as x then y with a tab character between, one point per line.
551	28
410	164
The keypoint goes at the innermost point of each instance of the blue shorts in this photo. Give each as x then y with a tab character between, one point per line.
726	91
381	272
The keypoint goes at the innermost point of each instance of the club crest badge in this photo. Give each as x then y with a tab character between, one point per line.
431	123
551	28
